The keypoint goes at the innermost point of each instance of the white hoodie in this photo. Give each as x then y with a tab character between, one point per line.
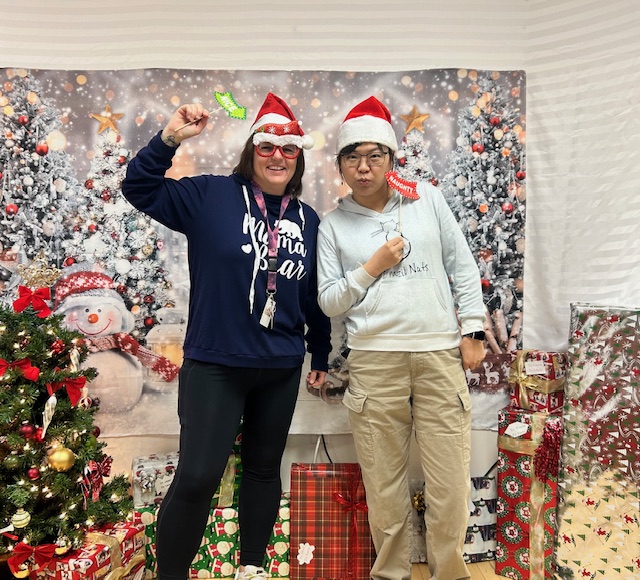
410	307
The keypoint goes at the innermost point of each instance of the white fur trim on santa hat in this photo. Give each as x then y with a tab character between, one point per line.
366	129
270	119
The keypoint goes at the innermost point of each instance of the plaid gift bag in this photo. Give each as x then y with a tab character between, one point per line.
330	537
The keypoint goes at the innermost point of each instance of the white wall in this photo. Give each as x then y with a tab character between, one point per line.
582	59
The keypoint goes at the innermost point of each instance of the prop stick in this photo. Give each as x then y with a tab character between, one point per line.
227	103
192	122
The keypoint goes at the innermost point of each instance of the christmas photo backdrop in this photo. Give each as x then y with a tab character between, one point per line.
68	136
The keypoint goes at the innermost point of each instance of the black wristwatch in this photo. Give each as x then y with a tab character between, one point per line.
477	335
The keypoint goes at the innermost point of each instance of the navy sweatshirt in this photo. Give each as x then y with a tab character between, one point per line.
227	249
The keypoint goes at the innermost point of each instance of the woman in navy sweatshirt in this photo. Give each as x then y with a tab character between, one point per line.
252	307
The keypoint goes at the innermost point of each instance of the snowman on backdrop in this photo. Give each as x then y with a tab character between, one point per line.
87	298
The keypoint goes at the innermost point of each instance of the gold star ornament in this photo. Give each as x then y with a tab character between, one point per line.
107	120
414	120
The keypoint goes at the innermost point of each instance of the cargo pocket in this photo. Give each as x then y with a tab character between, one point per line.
354	400
465	399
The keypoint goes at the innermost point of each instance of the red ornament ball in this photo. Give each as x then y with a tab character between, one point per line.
27	430
485	284
520	175
494	121
69	261
105	195
477	148
122	289
11	209
149	321
89	184
507	207
42	149
23	120
96	431
402	161
149	299
122	160
92	228
434	181
33	473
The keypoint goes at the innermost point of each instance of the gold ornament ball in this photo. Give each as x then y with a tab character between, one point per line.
23	572
61	459
20	519
63	545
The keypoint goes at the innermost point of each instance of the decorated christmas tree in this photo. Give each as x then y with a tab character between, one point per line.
52	465
110	232
485	188
39	190
414	162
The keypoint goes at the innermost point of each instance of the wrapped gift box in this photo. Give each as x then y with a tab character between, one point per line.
528	452
480	539
599	509
218	554
115	551
277	556
330	536
153	474
537	380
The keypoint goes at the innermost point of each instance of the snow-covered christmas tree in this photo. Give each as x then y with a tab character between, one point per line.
53	468
413	161
485	188
110	232
39	190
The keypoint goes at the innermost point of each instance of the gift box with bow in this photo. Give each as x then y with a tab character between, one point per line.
537	380
330	536
528	461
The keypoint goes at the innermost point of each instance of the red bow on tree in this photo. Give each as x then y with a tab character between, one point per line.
73	386
27	297
22	552
97	471
28	370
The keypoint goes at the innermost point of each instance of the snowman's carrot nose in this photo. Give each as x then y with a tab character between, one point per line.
92	318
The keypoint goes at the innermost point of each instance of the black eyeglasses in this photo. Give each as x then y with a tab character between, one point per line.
374	158
268	149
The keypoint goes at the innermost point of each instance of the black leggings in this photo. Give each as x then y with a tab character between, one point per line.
211	400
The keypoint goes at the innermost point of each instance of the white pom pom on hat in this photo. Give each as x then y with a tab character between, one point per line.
276	123
368	122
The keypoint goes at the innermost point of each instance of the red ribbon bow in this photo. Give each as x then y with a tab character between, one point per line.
73	386
351	505
28	370
97	471
22	552
27	297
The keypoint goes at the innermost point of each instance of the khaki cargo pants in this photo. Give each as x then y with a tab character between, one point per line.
389	393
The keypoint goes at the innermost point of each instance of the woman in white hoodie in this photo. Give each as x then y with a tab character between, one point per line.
393	261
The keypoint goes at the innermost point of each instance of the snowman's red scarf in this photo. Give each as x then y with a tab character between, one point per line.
126	343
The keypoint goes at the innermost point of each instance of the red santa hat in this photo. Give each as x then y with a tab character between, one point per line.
276	123
368	122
